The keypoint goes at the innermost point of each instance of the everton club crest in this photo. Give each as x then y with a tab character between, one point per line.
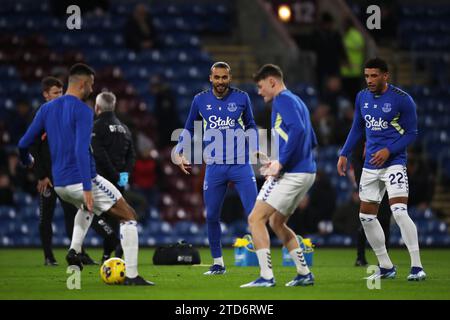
232	107
387	107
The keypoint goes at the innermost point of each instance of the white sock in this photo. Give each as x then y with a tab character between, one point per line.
83	220
299	259
409	232
375	235
130	245
219	261
265	262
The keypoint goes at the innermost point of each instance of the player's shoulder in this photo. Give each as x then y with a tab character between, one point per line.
69	99
402	95
202	96
363	97
53	102
362	93
78	106
87	110
44	106
203	93
285	97
49	104
397	91
238	92
83	105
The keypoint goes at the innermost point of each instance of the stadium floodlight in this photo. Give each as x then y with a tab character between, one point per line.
284	13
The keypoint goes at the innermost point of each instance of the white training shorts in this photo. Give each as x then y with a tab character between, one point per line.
105	194
375	182
285	192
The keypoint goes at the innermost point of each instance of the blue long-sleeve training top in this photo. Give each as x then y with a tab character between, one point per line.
390	121
68	123
291	121
226	116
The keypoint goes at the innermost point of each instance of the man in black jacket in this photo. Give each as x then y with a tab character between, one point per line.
113	152
52	88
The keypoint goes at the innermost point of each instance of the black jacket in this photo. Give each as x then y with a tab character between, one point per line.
113	147
41	152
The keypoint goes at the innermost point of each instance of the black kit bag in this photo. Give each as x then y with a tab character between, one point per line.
179	253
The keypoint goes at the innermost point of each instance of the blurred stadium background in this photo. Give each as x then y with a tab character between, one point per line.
155	79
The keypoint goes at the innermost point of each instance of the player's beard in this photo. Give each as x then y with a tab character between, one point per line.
375	88
221	89
378	89
86	94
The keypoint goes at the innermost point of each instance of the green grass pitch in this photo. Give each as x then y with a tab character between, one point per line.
23	276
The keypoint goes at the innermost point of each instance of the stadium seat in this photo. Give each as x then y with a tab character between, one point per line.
165	239
61	241
157	228
395	240
238	228
184	228
7	212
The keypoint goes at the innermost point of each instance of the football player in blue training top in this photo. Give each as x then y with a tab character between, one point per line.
68	122
288	177
389	118
228	124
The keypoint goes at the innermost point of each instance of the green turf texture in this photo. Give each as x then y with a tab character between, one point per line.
23	276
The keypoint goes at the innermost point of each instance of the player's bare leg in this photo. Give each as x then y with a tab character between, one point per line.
304	276
123	211
399	207
278	224
257	221
289	239
129	241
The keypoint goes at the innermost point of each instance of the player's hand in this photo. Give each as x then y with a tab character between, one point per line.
274	169
263	158
342	166
182	162
43	184
263	169
380	157
88	200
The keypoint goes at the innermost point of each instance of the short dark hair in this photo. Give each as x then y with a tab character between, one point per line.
49	82
377	63
221	64
268	70
81	69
